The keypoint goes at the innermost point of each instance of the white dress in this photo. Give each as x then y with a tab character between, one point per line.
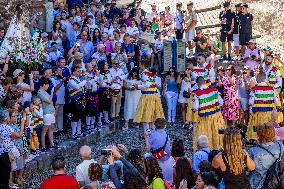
49	16
184	87
16	38
131	99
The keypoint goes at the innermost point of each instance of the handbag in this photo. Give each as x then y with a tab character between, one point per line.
186	94
160	152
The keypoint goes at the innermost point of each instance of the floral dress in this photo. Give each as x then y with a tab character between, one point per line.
230	107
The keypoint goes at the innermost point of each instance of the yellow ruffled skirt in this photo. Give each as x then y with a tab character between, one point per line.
149	109
256	119
209	126
191	116
280	114
34	144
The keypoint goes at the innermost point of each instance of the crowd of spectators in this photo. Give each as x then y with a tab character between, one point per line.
94	54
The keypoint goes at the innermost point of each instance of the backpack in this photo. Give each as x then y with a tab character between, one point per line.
274	173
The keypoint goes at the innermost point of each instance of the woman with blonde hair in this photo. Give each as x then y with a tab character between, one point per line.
233	160
264	154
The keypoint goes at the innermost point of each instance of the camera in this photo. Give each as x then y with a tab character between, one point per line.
106	152
246	141
195	40
253	57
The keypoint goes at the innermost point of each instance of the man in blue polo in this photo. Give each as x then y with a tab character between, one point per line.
128	47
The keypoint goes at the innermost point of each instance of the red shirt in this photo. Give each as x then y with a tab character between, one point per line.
62	181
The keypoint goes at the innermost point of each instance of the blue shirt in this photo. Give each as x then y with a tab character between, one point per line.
90	49
128	50
65	72
172	86
198	157
158	139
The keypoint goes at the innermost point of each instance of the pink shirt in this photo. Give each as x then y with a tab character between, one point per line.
248	53
108	46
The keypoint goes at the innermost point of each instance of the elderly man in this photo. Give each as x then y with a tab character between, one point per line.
202	153
82	169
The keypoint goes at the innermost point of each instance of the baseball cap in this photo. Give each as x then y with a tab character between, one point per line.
244	5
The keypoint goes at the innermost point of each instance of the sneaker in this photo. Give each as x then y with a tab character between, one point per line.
80	135
14	186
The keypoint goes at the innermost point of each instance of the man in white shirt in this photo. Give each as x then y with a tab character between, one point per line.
82	175
179	22
190	22
154	13
132	29
118	76
58	83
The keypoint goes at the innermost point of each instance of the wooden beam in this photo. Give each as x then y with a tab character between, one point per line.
209	9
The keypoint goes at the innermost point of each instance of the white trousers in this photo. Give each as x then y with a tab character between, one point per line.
172	99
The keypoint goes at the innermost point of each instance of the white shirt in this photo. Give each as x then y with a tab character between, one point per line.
117	77
92	82
53	56
151	15
60	93
277	75
73	85
92	27
178	19
132	30
82	171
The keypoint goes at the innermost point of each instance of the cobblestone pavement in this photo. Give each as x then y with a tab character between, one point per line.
132	138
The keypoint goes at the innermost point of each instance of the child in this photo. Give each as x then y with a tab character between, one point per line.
36	124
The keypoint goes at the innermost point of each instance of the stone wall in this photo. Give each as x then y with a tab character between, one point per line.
69	148
268	21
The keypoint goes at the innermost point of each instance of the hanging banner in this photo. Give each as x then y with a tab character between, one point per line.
167	61
181	56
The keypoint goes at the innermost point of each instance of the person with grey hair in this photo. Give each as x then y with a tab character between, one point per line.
202	153
8	150
82	169
121	56
100	55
